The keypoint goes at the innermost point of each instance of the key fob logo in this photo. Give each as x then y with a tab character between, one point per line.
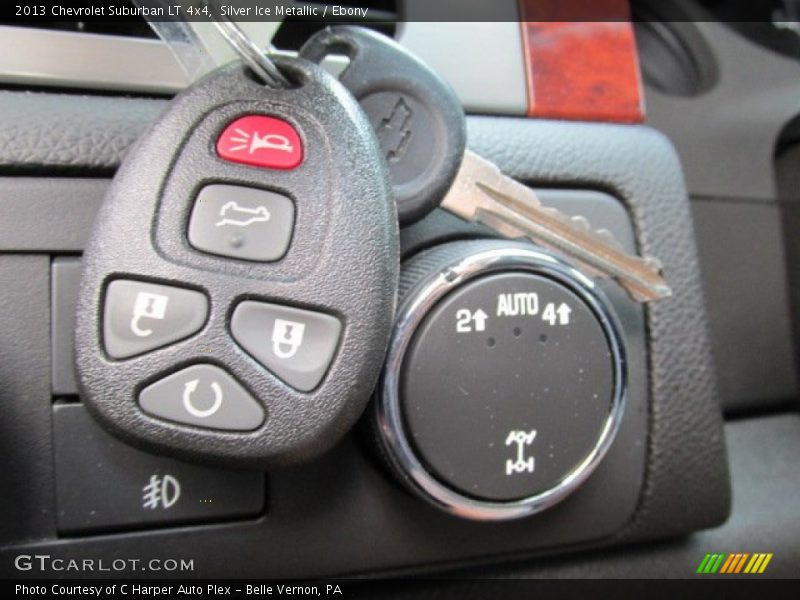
394	131
287	337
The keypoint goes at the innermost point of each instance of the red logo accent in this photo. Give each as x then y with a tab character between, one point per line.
261	141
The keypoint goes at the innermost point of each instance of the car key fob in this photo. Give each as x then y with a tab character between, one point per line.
417	116
420	125
239	285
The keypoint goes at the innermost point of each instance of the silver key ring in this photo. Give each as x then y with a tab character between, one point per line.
257	60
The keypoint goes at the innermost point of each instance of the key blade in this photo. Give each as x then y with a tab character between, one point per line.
624	269
640	277
481	193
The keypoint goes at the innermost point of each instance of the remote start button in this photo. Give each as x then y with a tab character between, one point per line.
202	395
261	141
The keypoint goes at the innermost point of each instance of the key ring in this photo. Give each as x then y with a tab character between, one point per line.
258	61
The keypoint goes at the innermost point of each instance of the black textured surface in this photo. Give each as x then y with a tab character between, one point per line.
343	261
26	465
417	116
686	483
105	485
791	212
67	134
763	456
748	296
64	282
43	214
765	518
686	477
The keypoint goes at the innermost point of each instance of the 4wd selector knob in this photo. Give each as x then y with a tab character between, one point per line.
505	380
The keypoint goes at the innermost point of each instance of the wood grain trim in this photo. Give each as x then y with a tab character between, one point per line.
581	61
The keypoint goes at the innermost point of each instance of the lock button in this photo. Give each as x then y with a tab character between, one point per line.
296	345
141	316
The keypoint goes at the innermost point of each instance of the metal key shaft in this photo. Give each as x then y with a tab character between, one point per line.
477	190
482	193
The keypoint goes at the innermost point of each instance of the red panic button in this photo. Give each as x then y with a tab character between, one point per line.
261	141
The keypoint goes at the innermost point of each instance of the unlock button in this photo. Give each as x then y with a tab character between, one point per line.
141	316
296	345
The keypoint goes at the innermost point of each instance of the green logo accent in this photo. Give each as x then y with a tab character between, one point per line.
734	563
710	563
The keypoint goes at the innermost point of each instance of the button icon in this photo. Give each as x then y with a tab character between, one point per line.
241	222
250	142
190	388
150	306
287	337
261	141
259	214
295	344
161	492
203	395
521	464
141	316
102	483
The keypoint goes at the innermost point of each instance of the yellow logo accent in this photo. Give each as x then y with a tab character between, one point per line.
734	563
